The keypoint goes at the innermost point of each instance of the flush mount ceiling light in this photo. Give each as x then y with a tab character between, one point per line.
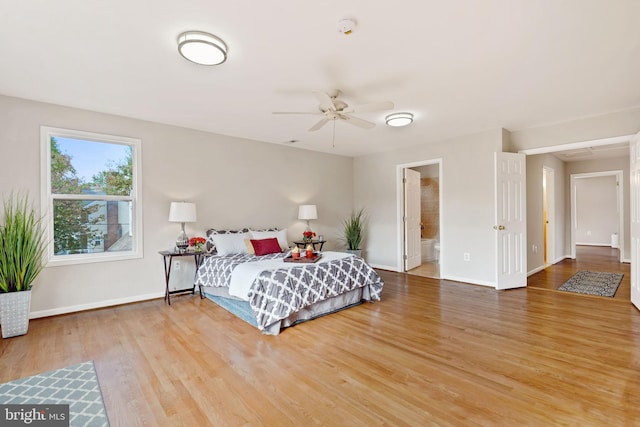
202	48
399	119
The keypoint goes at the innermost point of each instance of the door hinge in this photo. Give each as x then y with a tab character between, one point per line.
404	180
404	257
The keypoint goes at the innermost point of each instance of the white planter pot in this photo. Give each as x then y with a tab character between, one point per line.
14	313
356	252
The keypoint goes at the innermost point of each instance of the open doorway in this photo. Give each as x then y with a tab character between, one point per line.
552	188
580	243
597	211
420	204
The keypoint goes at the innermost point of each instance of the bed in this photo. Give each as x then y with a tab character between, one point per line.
281	294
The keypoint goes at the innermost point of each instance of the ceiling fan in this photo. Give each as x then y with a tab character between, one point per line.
332	109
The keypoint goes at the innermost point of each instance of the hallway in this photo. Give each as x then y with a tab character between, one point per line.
593	258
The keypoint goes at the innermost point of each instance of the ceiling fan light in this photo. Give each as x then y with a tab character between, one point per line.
202	48
399	119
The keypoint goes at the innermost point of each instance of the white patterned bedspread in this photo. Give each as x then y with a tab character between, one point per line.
280	289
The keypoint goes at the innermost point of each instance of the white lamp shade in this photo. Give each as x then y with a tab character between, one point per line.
182	212
307	212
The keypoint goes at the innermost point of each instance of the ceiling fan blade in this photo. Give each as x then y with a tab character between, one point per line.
324	101
319	124
297	112
357	121
373	106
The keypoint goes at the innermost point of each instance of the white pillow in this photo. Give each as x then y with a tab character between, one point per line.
281	235
229	244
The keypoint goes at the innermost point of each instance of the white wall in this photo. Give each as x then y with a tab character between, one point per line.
596	210
535	230
234	182
467	211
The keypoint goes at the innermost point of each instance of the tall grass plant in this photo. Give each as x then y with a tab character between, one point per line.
22	244
353	229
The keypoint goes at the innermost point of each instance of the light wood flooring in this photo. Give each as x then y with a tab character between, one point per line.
432	352
427	269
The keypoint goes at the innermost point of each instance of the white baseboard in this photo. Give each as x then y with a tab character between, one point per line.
385	267
92	306
542	267
470	281
535	270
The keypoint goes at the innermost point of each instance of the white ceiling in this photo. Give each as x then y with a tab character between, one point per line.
461	66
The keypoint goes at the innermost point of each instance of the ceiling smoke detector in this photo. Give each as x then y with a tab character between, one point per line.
346	26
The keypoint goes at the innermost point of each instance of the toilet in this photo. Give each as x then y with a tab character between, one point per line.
428	249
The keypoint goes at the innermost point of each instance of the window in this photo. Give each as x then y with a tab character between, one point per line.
90	194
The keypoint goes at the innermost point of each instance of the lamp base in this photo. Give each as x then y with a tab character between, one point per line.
182	242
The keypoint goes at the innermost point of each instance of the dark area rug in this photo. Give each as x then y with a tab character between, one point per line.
593	283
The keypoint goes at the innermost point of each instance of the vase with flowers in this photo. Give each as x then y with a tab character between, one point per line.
307	236
197	243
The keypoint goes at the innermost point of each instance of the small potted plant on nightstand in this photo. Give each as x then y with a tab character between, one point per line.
22	250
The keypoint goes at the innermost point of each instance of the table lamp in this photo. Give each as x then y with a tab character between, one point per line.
307	212
182	212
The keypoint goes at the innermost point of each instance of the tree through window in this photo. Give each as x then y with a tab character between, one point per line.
91	195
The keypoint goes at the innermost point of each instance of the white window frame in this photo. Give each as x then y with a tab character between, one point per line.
47	198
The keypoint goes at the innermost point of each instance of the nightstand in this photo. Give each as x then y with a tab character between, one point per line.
303	245
168	259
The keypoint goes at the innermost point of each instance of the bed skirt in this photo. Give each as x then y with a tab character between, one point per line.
318	309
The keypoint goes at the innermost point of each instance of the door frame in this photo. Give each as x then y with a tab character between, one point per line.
620	196
578	145
400	210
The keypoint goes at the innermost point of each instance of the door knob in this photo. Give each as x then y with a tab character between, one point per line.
498	227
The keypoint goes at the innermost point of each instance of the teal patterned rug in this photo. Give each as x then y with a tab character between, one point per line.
76	386
593	283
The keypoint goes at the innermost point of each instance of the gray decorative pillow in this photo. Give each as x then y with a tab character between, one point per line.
210	247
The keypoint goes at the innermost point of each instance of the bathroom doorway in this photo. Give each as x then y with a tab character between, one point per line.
429	221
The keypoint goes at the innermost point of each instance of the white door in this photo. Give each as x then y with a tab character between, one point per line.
548	181
412	253
634	154
510	225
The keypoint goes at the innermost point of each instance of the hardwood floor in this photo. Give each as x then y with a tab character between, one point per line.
427	269
431	352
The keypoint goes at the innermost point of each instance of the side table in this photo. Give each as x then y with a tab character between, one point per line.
168	259
303	245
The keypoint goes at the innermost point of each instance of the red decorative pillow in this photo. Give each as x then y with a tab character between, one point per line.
266	246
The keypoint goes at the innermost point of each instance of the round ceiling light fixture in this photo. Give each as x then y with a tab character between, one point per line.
202	48
399	119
